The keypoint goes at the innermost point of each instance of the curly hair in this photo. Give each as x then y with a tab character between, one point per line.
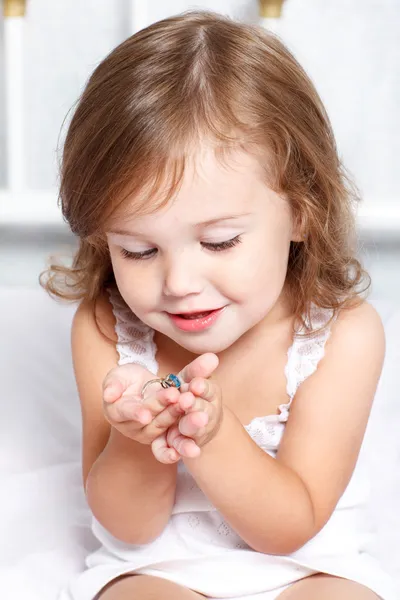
146	108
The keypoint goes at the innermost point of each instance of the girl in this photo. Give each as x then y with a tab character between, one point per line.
216	267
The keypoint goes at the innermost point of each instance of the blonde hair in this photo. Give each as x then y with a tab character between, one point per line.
151	101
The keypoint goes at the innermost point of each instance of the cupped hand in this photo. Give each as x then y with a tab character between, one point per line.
202	421
148	420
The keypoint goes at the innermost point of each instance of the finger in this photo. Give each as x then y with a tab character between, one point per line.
121	378
186	401
143	414
201	366
163	421
156	401
190	402
205	388
185	446
195	404
128	410
193	423
162	452
159	400
112	390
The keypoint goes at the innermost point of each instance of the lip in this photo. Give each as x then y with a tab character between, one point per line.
199	324
191	312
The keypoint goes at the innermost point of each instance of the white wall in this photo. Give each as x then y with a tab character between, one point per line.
64	41
2	110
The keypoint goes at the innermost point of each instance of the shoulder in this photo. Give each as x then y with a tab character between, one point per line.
351	362
98	314
353	359
358	334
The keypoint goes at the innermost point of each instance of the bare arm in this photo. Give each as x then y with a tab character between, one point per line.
277	505
129	492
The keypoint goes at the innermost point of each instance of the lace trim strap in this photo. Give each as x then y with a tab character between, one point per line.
135	339
304	356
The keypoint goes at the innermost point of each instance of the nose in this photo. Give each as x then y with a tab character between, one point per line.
182	277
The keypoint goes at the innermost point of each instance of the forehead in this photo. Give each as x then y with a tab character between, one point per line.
211	186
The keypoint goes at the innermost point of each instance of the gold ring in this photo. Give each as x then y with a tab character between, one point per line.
170	380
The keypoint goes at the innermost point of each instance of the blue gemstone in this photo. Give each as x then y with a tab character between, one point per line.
173	380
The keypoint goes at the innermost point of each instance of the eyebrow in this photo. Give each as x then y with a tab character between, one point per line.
125	232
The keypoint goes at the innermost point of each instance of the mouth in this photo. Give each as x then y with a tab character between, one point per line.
196	321
194	315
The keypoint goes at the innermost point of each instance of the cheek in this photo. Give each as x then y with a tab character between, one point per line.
262	270
134	283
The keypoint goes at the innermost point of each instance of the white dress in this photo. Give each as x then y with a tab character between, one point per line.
198	549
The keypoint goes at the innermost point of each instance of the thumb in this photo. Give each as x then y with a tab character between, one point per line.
112	389
122	378
202	366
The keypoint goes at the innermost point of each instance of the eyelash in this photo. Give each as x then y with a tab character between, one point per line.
213	247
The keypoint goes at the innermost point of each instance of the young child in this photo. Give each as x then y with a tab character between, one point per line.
225	358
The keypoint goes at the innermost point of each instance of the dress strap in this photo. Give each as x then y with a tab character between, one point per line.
135	339
305	354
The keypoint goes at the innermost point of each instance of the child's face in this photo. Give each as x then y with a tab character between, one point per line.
182	273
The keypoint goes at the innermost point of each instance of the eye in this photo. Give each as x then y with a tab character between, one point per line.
138	255
217	247
222	245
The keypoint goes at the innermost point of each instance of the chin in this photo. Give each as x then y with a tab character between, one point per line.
201	347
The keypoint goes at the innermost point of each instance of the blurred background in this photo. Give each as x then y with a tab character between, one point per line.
350	49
